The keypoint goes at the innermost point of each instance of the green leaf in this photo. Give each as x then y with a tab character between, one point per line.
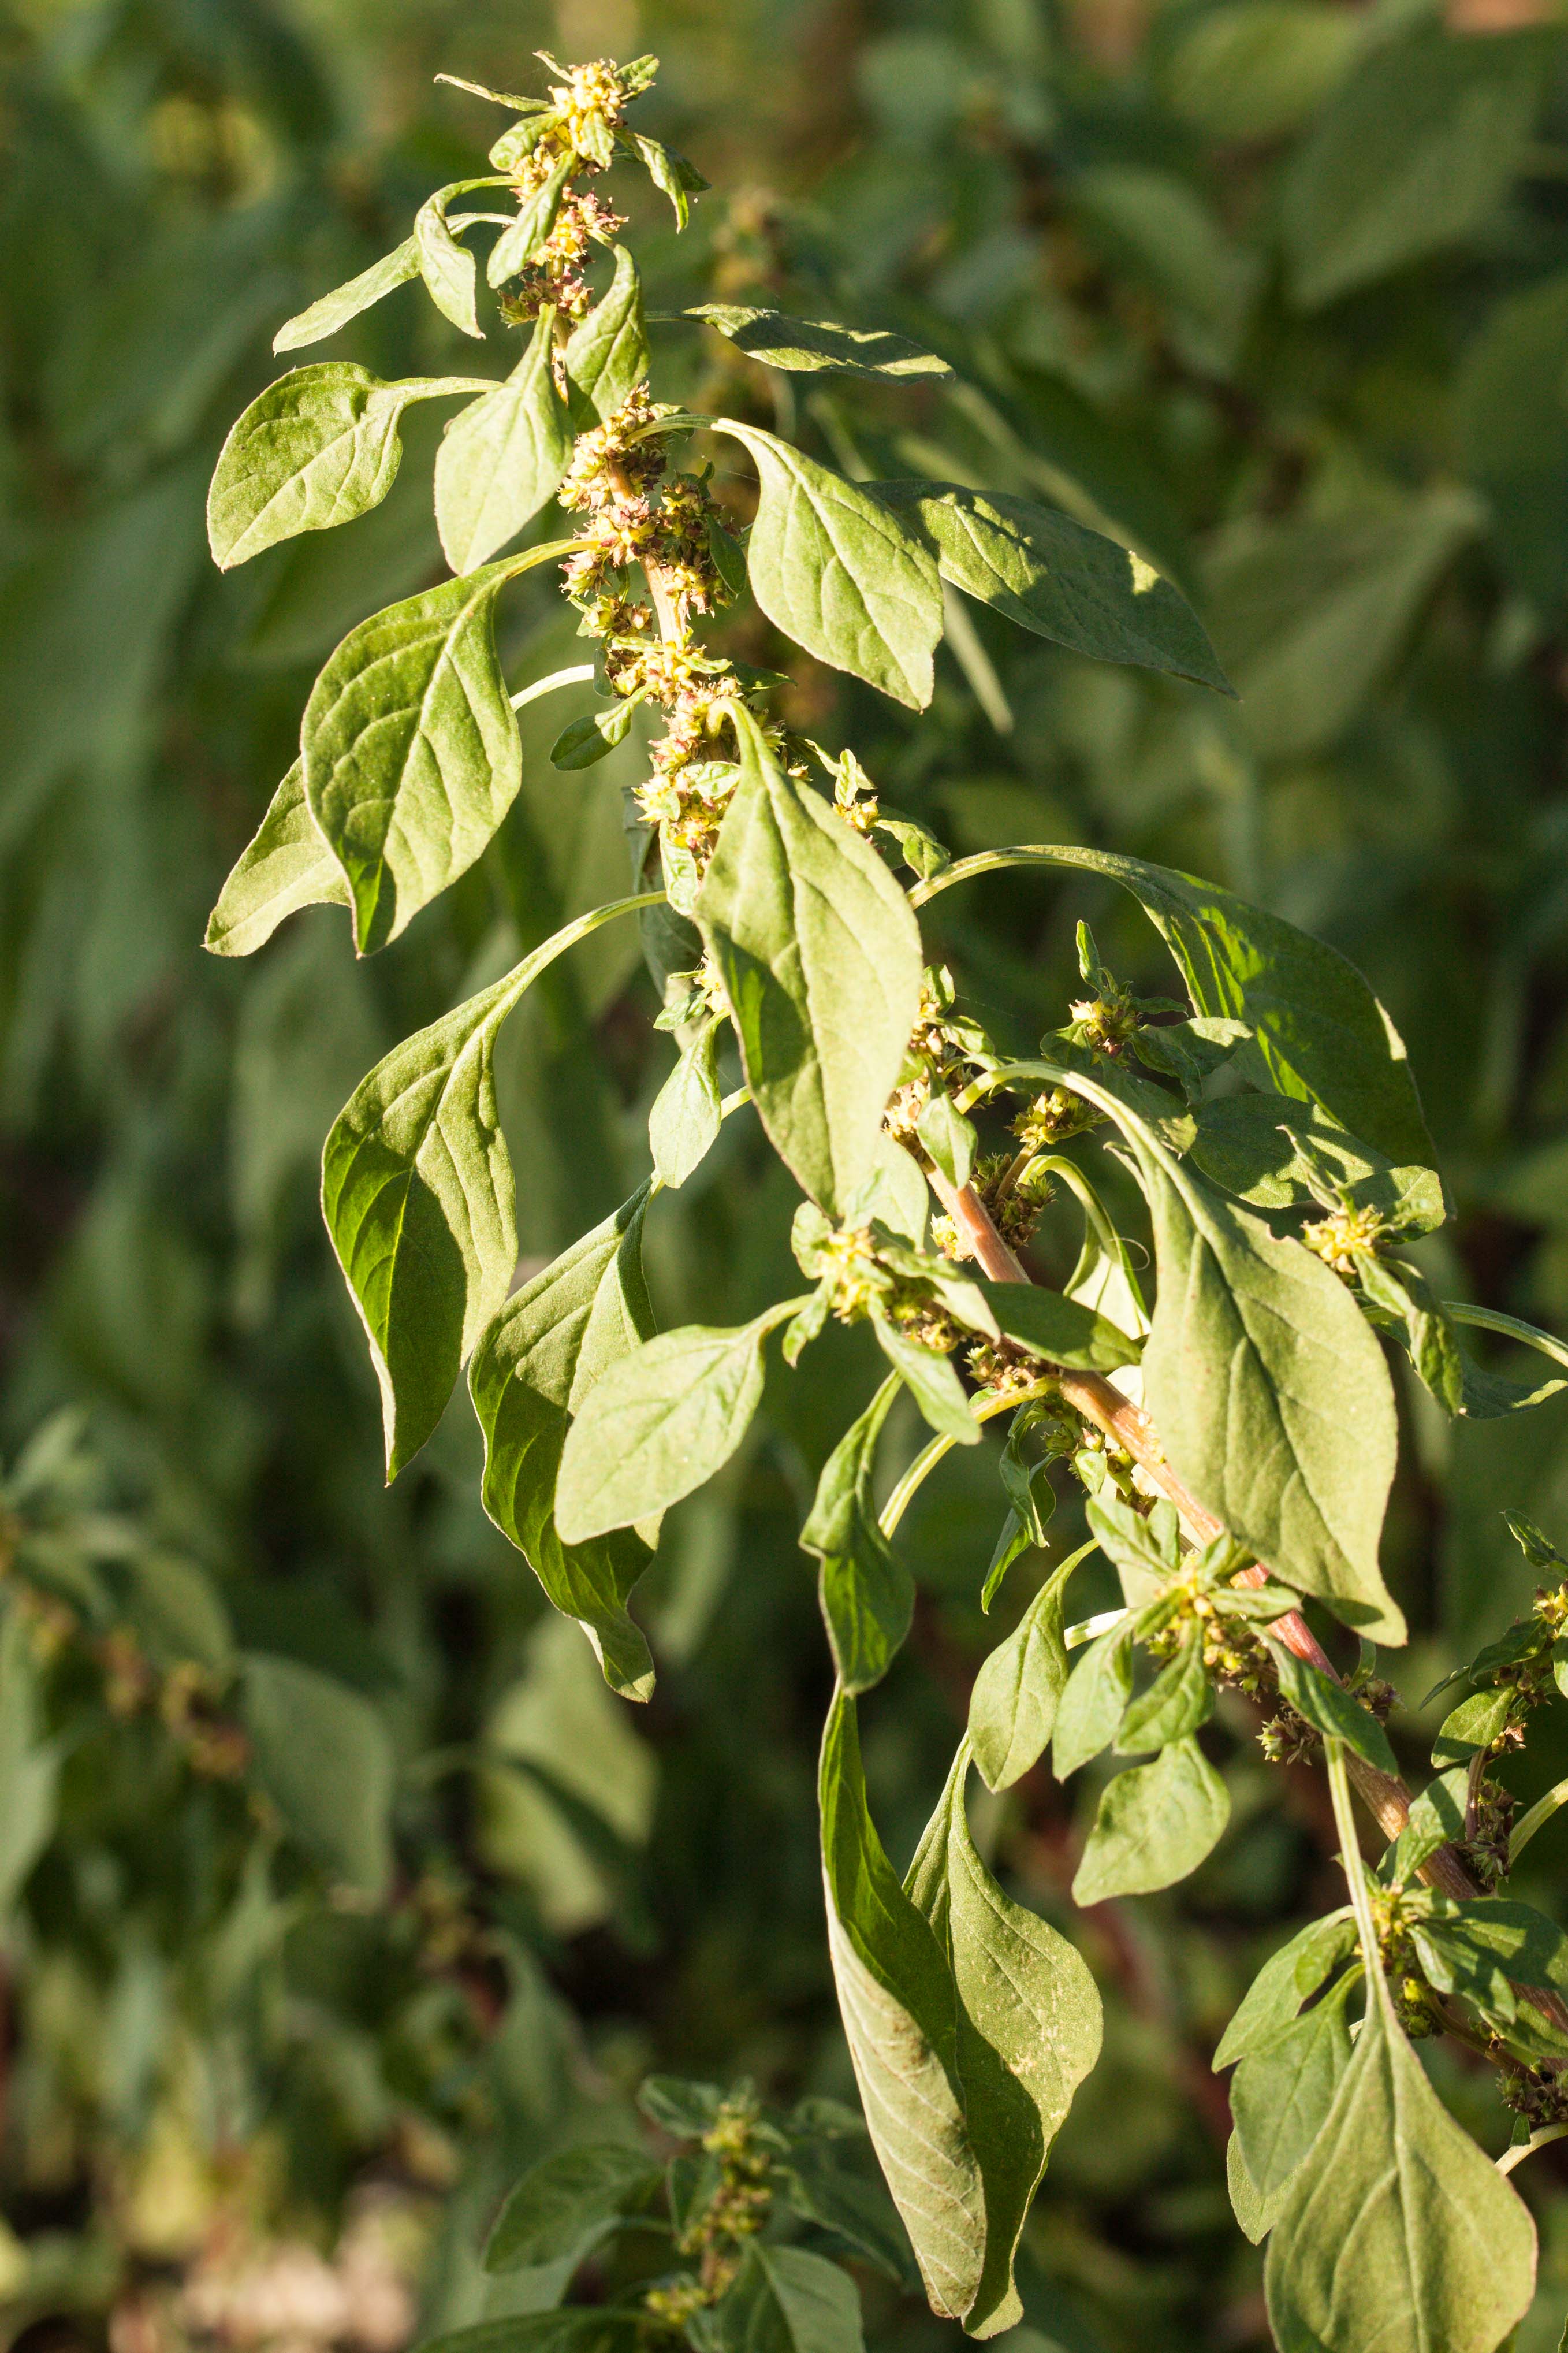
1437	1817
416	1190
502	458
660	1422
29	1764
821	962
932	1382
411	748
1474	1724
1028	2022
1281	2093
1257	1361
948	1138
1417	148
449	270
1176	1702
286	866
683	1125
522	239
671	173
1059	1329
807	345
1272	1399
683	2109
1090	1708
1144	1552
1407	1299
853	2206
345	302
970	2023
1253	2217
320	446
534	1366
783	2300
867	1594
836	570
1155	1824
1321	1030
606	357
1331	1709
1013	1706
563	2206
1397	2235
1286	1979
1265	1149
322	1755
1054	576
584	743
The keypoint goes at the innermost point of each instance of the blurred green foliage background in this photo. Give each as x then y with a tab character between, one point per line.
1276	291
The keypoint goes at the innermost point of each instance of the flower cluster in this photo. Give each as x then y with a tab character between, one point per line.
734	2212
1052	1117
1346	1230
588	108
942	1050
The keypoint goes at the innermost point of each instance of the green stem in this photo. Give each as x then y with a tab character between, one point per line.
1356	1877
1538	1815
1488	1319
984	1409
1523	2148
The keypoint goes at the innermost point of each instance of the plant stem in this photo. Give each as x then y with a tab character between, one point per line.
1523	2148
1538	1815
1355	1876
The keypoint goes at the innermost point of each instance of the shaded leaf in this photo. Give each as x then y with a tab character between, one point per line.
563	2207
1054	576
1155	1824
323	1757
503	457
807	345
660	1422
783	2300
821	962
534	1364
1418	146
1286	1979
1282	2090
416	1190
1330	1709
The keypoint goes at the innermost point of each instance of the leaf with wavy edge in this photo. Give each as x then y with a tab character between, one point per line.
840	574
416	1190
1269	1389
1318	1026
410	745
317	448
970	2024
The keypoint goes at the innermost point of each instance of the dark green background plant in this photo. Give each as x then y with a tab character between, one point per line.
1353	475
